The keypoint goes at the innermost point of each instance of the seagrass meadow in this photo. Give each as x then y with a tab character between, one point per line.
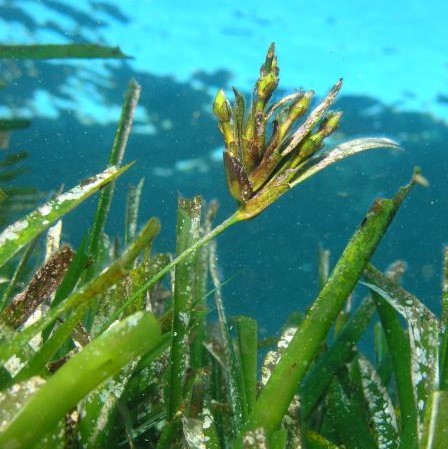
111	344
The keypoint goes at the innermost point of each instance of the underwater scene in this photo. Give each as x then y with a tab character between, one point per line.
193	253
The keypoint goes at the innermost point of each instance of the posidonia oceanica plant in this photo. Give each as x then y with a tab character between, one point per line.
101	349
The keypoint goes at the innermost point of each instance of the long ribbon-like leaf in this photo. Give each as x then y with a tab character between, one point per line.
346	149
99	360
17	235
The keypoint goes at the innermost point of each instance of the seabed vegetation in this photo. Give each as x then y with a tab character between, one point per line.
110	348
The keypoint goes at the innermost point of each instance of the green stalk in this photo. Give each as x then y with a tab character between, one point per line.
368	389
383	358
102	358
400	351
315	441
168	434
435	430
279	439
444	343
445	287
187	232
87	294
132	208
105	199
22	232
115	158
60	51
234	218
199	310
324	266
17	273
233	377
198	323
100	409
247	344
273	401
210	431
38	361
341	352
348	418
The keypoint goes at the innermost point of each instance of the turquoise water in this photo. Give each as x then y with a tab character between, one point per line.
392	56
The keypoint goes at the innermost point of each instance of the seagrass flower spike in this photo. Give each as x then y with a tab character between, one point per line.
270	149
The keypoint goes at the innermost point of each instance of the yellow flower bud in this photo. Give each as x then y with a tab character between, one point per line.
221	107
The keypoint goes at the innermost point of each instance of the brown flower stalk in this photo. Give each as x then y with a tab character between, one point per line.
260	169
266	151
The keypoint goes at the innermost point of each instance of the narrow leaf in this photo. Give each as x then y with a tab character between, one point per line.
132	208
187	233
18	273
15	123
99	410
20	233
350	424
379	403
315	441
289	372
340	353
346	149
99	360
60	51
115	160
279	439
435	429
247	343
42	285
400	351
444	344
110	276
424	329
232	373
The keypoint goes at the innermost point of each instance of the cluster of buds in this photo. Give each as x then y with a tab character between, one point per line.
260	169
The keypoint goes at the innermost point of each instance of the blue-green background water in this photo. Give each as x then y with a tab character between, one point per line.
394	60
